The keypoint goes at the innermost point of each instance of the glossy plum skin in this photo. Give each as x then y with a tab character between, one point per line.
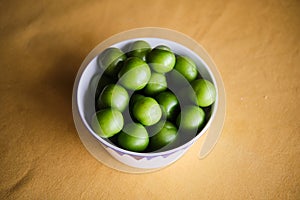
137	82
134	74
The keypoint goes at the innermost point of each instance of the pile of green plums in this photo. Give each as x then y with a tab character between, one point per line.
135	100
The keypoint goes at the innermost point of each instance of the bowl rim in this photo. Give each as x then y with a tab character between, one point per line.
149	32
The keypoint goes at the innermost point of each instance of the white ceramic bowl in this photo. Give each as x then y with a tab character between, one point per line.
83	99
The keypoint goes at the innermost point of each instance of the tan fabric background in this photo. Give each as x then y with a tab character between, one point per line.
256	47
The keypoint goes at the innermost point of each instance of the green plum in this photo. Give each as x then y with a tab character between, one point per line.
186	67
139	49
103	82
164	136
205	92
147	111
191	118
110	60
153	117
94	85
133	137
134	74
169	104
163	47
161	61
107	122
134	98
114	96
156	84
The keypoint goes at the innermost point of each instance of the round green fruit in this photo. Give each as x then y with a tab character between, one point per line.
134	74
94	85
139	49
133	137
156	84
191	118
161	61
163	47
147	111
107	122
134	98
205	92
163	136
169	104
110	61
186	67
114	96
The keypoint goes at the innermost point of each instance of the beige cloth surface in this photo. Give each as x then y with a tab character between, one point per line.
256	47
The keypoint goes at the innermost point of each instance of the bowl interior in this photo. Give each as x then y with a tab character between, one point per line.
86	98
